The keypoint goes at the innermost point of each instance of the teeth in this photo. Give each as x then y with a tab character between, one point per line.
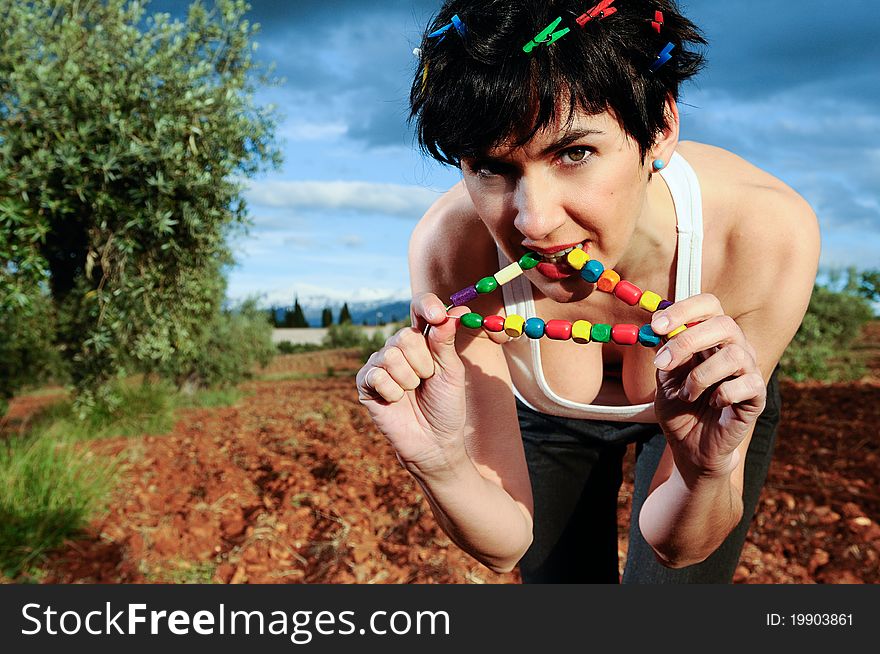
556	256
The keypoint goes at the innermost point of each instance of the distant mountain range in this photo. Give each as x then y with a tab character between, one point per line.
372	313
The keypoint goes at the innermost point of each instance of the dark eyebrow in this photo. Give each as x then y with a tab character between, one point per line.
570	137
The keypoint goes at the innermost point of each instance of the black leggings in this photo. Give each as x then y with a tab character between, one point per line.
576	472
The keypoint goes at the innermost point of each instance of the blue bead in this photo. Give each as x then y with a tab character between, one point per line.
534	328
659	164
647	337
592	271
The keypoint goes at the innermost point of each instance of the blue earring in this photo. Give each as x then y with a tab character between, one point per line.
659	164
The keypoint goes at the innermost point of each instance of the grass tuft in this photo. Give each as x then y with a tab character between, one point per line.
49	490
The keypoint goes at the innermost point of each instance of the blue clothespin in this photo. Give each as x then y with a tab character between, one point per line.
456	23
546	36
662	58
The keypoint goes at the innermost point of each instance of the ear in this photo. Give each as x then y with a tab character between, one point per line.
667	138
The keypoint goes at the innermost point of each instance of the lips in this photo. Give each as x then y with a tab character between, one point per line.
557	251
554	262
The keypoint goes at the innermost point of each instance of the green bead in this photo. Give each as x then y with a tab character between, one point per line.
486	285
601	333
472	320
529	260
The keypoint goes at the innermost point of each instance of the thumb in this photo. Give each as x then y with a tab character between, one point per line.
441	339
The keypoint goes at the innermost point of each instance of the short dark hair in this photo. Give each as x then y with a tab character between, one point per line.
482	90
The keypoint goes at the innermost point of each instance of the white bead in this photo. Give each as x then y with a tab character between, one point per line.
510	272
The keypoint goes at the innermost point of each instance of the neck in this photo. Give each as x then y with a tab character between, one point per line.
654	240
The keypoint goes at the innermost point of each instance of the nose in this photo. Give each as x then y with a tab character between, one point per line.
538	209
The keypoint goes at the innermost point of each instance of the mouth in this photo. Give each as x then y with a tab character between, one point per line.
554	264
558	256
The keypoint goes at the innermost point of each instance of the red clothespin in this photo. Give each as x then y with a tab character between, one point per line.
657	22
600	11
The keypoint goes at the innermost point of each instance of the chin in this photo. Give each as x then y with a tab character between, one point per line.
569	289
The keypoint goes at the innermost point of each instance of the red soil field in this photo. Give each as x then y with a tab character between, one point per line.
294	484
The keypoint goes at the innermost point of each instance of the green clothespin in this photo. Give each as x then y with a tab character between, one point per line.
547	35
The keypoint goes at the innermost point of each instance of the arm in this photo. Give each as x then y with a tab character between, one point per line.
692	508
484	501
444	400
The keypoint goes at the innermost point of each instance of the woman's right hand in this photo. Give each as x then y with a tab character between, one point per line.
414	389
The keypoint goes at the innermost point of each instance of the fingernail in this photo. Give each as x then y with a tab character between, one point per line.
663	358
660	322
433	314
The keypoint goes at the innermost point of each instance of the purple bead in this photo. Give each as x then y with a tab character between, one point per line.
464	296
663	304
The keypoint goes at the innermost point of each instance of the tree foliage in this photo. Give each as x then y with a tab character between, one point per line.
832	322
295	318
344	314
124	140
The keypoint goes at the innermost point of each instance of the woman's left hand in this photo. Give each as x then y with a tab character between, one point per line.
710	390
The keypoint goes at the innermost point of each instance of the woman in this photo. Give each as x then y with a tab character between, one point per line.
570	140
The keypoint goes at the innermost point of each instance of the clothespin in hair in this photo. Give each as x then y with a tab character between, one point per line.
657	21
546	36
662	58
456	23
600	11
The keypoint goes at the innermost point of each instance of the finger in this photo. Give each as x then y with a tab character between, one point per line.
748	391
714	332
396	364
441	339
427	309
378	384
415	349
693	309
729	361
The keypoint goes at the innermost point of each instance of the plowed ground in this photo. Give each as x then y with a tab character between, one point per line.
294	484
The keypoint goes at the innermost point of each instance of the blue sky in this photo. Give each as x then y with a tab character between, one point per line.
793	88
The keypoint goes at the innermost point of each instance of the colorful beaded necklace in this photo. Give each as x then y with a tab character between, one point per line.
581	331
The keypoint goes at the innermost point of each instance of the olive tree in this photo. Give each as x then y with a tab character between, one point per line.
125	138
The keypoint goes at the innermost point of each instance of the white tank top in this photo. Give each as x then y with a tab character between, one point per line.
685	190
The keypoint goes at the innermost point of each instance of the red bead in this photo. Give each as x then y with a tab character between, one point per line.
558	330
493	324
628	292
625	334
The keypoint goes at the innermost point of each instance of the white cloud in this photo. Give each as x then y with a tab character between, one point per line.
312	131
388	199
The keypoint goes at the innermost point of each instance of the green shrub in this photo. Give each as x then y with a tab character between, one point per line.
286	347
137	409
344	335
230	346
821	348
28	356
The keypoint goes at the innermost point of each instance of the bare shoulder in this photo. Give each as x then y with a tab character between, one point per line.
761	248
450	246
757	226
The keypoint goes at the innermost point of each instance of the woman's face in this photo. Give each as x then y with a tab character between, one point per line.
584	187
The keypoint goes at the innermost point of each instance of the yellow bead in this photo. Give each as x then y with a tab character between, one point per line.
577	258
510	272
513	325
649	301
580	331
676	331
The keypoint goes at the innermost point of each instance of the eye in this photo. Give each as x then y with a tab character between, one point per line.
484	169
577	155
